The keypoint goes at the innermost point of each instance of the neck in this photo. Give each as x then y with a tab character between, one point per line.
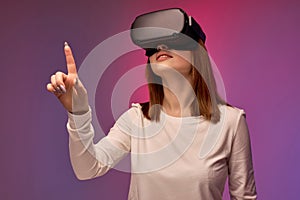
178	97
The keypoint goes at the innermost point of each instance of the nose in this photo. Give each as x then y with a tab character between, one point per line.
162	47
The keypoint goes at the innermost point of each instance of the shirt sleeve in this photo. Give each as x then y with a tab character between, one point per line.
91	160
241	173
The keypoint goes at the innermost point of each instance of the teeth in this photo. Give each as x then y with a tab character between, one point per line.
163	56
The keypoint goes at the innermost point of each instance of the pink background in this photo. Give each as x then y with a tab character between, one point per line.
254	43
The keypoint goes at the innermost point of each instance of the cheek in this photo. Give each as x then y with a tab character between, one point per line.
185	56
182	64
185	60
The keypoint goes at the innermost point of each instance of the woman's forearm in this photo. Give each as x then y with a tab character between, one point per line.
82	149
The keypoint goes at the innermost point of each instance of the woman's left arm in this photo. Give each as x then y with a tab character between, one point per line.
241	173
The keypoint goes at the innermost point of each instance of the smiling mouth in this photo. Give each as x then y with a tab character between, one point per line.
161	56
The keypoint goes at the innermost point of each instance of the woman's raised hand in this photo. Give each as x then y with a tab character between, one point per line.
68	88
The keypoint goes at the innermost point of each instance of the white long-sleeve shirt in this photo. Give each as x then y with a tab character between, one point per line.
176	158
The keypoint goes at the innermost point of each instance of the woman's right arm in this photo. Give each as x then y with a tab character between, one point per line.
91	160
88	159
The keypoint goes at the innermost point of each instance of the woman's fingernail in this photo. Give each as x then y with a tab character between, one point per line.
62	88
66	44
58	89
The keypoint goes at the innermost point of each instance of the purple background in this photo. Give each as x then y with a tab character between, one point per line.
254	43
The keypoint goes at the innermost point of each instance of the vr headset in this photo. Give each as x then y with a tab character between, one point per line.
171	27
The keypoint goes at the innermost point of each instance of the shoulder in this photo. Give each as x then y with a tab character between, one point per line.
232	111
132	113
232	115
130	118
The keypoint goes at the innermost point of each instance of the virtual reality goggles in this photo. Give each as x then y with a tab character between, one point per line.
170	27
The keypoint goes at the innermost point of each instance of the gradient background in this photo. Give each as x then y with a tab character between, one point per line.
254	43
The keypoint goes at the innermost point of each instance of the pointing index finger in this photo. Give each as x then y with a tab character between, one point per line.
70	59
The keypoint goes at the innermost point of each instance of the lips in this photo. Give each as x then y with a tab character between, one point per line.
163	55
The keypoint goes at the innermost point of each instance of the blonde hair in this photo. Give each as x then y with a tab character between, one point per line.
203	83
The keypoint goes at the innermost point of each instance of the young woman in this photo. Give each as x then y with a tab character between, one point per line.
183	143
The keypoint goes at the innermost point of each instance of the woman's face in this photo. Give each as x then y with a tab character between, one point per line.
166	59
